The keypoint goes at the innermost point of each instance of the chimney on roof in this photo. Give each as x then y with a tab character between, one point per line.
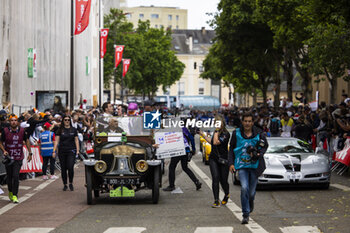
203	31
190	43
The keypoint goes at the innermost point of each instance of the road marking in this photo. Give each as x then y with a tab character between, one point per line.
20	187
32	230
125	230
342	187
214	230
237	212
300	229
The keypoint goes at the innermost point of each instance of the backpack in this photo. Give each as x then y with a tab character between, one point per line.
274	127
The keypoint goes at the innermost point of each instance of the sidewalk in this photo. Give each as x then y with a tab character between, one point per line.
45	206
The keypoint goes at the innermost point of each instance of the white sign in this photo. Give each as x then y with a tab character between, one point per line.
171	144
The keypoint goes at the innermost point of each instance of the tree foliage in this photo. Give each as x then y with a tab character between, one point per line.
153	63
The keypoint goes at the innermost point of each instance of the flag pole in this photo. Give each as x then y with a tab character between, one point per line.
71	102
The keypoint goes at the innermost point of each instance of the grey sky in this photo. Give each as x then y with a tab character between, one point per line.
197	9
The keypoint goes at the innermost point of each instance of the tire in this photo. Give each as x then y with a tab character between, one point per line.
96	193
88	177
155	189
324	186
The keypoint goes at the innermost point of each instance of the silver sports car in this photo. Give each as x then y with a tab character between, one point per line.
292	161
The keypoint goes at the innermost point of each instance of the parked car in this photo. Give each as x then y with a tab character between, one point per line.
124	160
292	161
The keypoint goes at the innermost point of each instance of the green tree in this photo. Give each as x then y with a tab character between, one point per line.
153	63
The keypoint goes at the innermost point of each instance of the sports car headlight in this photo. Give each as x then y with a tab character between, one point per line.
100	166
141	166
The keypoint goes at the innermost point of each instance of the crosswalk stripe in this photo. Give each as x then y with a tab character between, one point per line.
342	187
32	230
214	230
237	212
20	187
125	230
300	229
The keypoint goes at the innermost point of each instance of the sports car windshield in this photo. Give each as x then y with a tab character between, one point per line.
115	126
288	146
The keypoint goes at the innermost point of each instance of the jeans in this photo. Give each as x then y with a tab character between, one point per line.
12	173
67	161
219	173
173	163
249	180
46	160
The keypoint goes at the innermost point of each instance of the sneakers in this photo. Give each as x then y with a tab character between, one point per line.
45	177
65	187
198	185
216	204
169	188
224	201
53	177
14	199
245	220
71	188
11	196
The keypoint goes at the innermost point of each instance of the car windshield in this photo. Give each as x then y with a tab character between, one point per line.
115	126
291	145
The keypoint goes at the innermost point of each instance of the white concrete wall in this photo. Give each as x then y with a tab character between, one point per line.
45	26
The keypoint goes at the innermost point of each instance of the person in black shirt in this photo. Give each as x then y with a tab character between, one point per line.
218	161
303	130
67	139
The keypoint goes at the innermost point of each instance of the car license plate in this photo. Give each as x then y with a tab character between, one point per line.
122	192
123	181
294	175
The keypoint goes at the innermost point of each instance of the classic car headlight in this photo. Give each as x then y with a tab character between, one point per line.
100	166
141	166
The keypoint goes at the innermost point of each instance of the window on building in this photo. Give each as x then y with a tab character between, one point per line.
201	68
170	17
195	41
195	65
156	26
177	26
201	88
169	27
161	26
181	88
177	18
167	91
155	16
141	16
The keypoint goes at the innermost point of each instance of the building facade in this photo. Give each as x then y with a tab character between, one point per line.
159	17
44	27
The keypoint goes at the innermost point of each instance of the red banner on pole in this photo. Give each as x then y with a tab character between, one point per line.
118	54
82	13
103	41
126	64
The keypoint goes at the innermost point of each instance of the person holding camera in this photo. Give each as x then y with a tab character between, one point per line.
11	143
247	148
218	161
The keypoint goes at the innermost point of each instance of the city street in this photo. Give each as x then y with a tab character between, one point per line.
44	207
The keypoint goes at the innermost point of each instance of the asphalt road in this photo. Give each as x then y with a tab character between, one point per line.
44	205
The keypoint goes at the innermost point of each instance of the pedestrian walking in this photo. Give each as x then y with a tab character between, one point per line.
188	139
67	143
247	148
12	140
46	143
218	161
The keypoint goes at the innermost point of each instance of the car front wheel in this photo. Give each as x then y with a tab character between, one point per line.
88	177
155	189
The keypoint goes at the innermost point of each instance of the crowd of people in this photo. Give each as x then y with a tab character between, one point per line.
67	134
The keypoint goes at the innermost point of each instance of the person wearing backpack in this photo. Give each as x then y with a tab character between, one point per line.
275	126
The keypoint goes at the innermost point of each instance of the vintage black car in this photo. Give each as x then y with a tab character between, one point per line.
124	160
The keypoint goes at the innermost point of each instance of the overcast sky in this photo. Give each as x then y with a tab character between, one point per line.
197	9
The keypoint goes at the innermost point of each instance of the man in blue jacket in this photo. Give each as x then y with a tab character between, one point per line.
188	139
246	156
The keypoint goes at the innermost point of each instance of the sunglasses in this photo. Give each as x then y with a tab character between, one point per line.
66	120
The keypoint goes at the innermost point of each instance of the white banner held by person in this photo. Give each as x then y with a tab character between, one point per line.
171	144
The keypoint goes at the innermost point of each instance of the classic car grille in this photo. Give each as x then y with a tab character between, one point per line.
108	158
313	175
289	167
